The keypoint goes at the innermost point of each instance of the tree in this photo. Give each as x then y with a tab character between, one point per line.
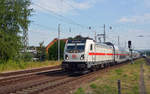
53	50
14	20
41	51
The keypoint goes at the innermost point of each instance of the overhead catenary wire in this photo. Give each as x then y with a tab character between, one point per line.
61	17
46	27
73	7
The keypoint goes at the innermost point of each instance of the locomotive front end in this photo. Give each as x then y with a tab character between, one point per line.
74	56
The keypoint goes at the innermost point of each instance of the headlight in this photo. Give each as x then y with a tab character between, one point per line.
82	57
66	57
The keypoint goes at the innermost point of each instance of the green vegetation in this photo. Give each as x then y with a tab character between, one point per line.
53	50
106	83
12	66
26	57
14	20
106	89
119	71
93	86
80	91
41	52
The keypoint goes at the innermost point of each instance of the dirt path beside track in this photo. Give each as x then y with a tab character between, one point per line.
142	89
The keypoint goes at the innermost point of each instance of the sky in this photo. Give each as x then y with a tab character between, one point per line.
129	19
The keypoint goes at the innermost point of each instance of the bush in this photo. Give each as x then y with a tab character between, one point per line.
27	57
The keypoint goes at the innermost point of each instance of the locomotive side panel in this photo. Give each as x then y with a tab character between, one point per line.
98	52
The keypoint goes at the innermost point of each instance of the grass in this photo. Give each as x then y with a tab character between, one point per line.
94	86
119	71
80	91
13	66
106	83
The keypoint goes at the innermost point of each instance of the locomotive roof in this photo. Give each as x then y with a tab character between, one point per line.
76	41
104	45
82	40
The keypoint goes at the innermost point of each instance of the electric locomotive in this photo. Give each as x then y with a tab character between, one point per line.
86	54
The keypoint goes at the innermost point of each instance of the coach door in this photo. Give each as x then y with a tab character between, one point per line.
92	53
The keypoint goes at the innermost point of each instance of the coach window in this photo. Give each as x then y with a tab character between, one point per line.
91	47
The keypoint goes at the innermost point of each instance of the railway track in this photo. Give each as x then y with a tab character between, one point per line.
38	80
25	75
27	71
23	78
52	83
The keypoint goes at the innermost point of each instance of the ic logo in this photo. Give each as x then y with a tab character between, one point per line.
74	56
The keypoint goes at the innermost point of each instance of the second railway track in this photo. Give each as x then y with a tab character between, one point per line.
15	73
18	76
26	77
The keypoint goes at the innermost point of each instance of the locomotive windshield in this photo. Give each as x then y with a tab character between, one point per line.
75	48
80	47
70	47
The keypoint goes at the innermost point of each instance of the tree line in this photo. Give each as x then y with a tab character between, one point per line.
53	50
14	20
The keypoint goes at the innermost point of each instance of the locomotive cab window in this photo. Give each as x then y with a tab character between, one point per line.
70	47
75	48
91	47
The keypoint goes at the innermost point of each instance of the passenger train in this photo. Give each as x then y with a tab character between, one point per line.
86	54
